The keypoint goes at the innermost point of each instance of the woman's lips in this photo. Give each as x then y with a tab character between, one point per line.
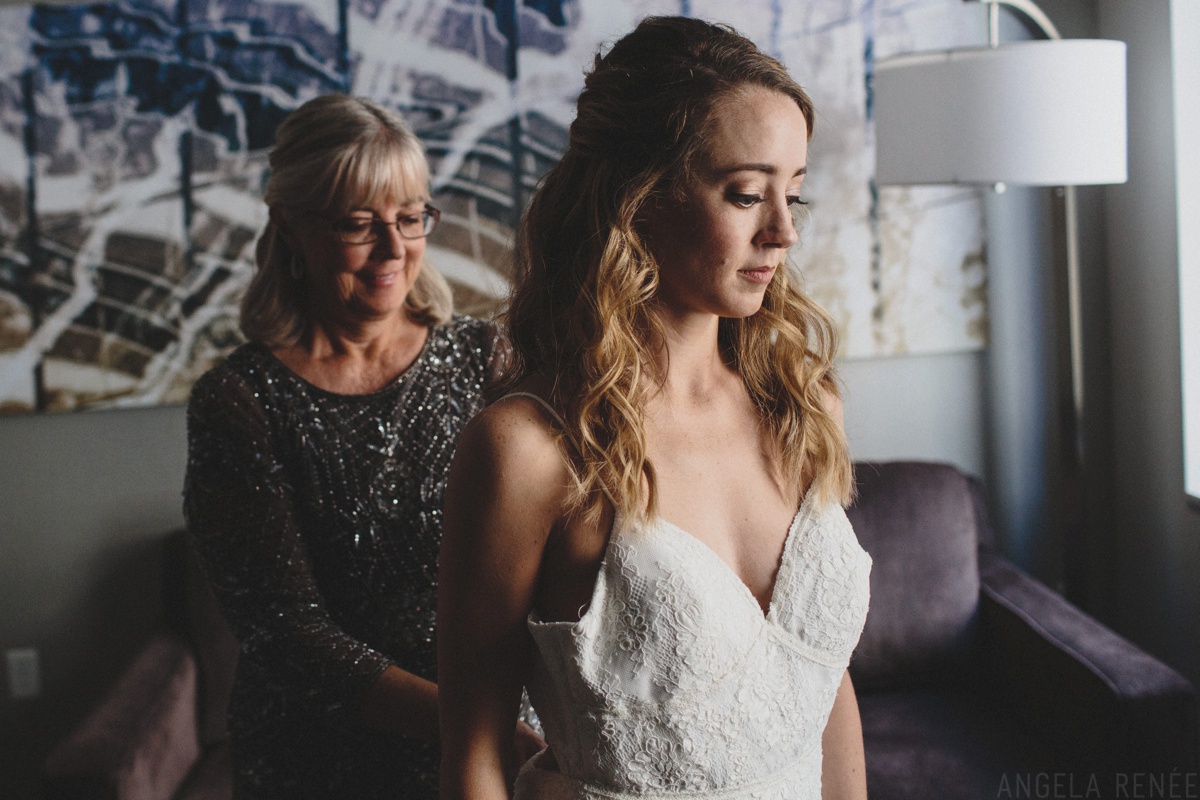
381	281
757	274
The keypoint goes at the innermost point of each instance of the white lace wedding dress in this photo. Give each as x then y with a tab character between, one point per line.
675	685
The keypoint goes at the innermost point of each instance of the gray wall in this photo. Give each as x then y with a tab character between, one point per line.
928	407
84	499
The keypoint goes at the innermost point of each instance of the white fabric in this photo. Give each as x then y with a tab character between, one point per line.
673	684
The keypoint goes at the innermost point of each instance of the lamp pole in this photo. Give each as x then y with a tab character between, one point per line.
1039	113
1071	417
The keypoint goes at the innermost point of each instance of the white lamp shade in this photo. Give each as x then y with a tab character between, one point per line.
1041	113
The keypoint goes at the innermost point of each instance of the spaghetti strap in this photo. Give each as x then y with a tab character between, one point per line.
562	428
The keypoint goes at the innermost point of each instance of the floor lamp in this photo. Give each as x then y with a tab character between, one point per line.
1037	113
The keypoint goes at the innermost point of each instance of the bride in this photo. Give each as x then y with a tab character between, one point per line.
647	530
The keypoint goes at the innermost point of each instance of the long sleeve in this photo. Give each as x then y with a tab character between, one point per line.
242	515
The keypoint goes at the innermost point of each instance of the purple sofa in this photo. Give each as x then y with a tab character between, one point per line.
160	732
973	679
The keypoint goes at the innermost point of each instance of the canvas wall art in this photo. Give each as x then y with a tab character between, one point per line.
133	141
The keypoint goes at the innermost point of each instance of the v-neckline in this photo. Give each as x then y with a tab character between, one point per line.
726	567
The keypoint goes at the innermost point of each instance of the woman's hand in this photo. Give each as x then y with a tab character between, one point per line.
526	744
403	703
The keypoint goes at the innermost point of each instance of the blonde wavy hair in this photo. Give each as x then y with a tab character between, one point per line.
581	311
332	154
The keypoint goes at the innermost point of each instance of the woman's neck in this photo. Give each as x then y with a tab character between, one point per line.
355	361
365	340
691	363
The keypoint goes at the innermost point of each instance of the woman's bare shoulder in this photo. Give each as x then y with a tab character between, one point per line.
513	445
518	420
508	484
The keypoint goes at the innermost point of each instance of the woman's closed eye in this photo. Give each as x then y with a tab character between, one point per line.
354	224
743	200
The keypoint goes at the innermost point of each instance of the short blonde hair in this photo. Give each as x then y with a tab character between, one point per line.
332	154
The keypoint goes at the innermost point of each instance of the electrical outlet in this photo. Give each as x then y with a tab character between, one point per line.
24	672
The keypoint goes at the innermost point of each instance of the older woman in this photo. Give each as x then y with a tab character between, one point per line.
317	458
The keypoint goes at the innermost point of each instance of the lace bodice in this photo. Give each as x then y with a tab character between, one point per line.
674	683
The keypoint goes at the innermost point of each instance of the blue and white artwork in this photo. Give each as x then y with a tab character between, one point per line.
133	141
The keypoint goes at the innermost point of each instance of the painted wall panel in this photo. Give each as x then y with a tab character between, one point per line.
149	122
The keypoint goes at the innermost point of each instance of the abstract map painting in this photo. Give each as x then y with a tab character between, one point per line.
133	141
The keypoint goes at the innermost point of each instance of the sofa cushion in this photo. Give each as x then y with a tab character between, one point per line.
948	744
918	522
141	740
212	779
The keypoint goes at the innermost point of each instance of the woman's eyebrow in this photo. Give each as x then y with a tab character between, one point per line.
769	169
403	208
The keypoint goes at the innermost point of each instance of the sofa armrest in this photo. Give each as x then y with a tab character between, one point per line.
1115	706
141	741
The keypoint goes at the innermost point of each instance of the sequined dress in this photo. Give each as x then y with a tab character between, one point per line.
318	518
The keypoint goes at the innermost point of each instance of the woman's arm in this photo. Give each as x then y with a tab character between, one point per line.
401	702
503	499
239	508
843	768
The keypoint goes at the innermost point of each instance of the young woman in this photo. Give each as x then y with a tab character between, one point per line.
622	533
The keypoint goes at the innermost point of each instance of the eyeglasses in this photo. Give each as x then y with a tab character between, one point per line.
361	230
